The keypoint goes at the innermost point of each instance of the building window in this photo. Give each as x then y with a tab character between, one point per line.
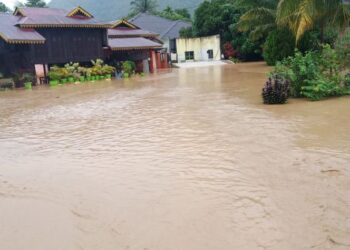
189	55
210	54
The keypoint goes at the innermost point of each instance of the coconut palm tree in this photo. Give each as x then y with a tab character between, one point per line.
143	6
259	18
303	15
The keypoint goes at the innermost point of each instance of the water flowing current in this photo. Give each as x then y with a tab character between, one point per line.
185	159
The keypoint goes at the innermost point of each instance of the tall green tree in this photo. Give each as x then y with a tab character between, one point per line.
259	17
221	17
3	7
142	6
303	15
35	3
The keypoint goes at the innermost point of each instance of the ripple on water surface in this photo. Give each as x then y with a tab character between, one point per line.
184	160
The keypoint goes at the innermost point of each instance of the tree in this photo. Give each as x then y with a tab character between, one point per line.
279	45
221	17
178	14
35	3
303	15
142	6
259	18
183	12
3	7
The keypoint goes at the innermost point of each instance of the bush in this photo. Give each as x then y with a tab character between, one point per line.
22	78
276	90
129	67
315	75
279	45
229	51
76	71
321	87
297	70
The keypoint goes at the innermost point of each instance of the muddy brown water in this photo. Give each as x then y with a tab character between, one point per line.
187	159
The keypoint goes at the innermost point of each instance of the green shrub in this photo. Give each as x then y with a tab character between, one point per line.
315	75
129	67
297	70
22	78
321	87
279	45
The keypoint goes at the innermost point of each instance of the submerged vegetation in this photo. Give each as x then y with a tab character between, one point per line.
316	74
72	72
276	90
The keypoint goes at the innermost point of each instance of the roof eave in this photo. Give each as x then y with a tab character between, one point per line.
135	48
31	26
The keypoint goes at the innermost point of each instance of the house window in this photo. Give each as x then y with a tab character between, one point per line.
189	55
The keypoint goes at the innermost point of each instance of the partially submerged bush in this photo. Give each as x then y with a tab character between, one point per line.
317	89
315	75
276	90
297	70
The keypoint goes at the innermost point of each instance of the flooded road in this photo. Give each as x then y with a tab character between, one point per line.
188	159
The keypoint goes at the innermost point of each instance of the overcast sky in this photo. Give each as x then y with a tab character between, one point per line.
11	3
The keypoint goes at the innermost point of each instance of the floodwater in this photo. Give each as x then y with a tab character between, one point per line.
186	159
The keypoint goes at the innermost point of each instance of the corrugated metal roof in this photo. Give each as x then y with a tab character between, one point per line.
125	32
165	27
13	34
47	17
132	43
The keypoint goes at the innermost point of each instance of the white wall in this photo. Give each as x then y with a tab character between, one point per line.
200	46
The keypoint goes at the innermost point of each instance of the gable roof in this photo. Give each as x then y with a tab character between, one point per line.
79	10
13	34
164	27
124	28
123	22
50	17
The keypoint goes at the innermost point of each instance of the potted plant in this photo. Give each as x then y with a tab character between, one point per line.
128	68
71	79
54	78
28	85
28	79
108	71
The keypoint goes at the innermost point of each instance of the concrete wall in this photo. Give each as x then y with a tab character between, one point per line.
166	44
200	47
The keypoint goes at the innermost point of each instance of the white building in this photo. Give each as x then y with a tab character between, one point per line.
198	49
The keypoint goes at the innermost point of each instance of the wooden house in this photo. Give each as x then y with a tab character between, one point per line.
33	39
45	36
